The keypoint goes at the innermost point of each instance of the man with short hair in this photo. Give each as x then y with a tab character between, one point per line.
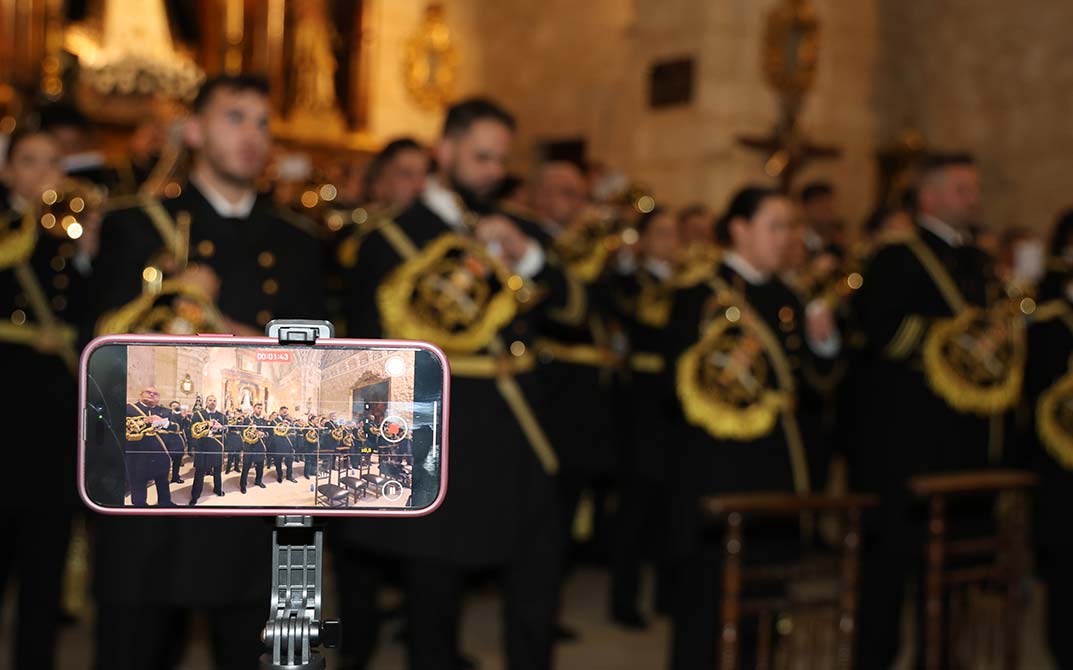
396	175
913	289
501	511
148	456
557	195
267	264
208	449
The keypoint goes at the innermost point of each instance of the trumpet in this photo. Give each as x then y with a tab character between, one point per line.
65	208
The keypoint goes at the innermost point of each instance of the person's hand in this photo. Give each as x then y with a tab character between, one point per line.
820	322
90	241
202	278
155	420
503	238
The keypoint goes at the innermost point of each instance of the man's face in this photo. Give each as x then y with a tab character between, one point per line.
660	240
476	160
560	193
231	134
257	409
698	229
34	167
765	240
284	412
210	403
402	179
174	405
953	195
150	397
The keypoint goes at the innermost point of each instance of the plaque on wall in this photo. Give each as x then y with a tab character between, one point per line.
670	83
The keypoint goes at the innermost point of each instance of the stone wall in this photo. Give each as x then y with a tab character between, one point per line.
994	78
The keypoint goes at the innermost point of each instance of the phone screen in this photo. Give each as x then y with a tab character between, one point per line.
214	428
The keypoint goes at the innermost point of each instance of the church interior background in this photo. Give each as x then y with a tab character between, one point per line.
690	98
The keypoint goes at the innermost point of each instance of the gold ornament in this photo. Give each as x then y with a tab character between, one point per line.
430	65
1054	420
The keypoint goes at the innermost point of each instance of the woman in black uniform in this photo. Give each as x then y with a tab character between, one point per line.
738	347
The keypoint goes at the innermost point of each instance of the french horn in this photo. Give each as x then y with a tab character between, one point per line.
282	429
200	430
251	435
138	427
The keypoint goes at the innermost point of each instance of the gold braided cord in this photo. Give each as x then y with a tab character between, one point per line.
395	295
17	245
143	314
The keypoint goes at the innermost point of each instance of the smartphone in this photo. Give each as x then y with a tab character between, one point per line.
334	428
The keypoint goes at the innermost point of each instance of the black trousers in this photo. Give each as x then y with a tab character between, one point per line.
176	463
34	557
207	464
258	461
233	459
640	516
358	577
143	467
286	460
137	636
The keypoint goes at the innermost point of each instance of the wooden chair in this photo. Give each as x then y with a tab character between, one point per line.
838	569
1003	568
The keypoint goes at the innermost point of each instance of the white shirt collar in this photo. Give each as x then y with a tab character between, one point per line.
444	203
942	230
661	270
82	161
747	270
223	206
17	203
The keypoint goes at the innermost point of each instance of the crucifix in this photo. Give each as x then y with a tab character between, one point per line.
791	48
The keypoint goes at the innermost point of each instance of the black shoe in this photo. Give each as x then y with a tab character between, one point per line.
219	493
280	480
176	480
167	504
262	484
565	634
292	480
631	619
243	489
193	501
306	476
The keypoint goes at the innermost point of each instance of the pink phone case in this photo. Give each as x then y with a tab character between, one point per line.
188	340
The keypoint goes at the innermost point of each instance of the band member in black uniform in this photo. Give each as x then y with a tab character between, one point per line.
254	450
175	441
42	287
282	445
233	443
927	297
148	455
740	342
643	284
1059	260
309	439
266	264
1049	443
207	429
502	485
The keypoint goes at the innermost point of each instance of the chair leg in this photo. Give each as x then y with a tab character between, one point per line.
933	648
847	615
730	634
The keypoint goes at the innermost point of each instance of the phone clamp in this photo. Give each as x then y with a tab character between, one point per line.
299	331
295	626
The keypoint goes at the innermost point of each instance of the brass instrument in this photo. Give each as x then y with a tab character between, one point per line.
138	427
311	436
282	429
200	430
587	245
337	434
176	309
64	208
348	440
251	435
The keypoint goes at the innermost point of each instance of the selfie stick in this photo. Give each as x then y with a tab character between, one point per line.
295	626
